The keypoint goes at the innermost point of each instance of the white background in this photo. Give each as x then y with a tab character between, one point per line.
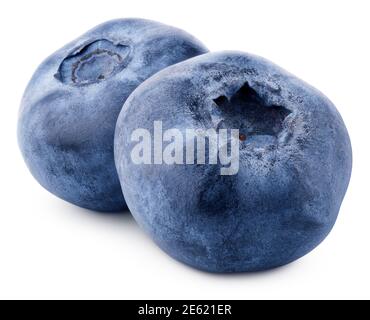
51	249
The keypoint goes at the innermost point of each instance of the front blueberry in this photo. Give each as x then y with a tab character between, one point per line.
70	107
219	208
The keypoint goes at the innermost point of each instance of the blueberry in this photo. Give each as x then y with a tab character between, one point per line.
70	107
279	201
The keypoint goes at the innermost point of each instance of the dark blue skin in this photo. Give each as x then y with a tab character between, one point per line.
295	164
70	107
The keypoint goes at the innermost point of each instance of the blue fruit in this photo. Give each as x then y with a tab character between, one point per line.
70	107
294	163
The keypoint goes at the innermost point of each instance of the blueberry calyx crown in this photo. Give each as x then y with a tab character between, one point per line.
248	111
93	63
